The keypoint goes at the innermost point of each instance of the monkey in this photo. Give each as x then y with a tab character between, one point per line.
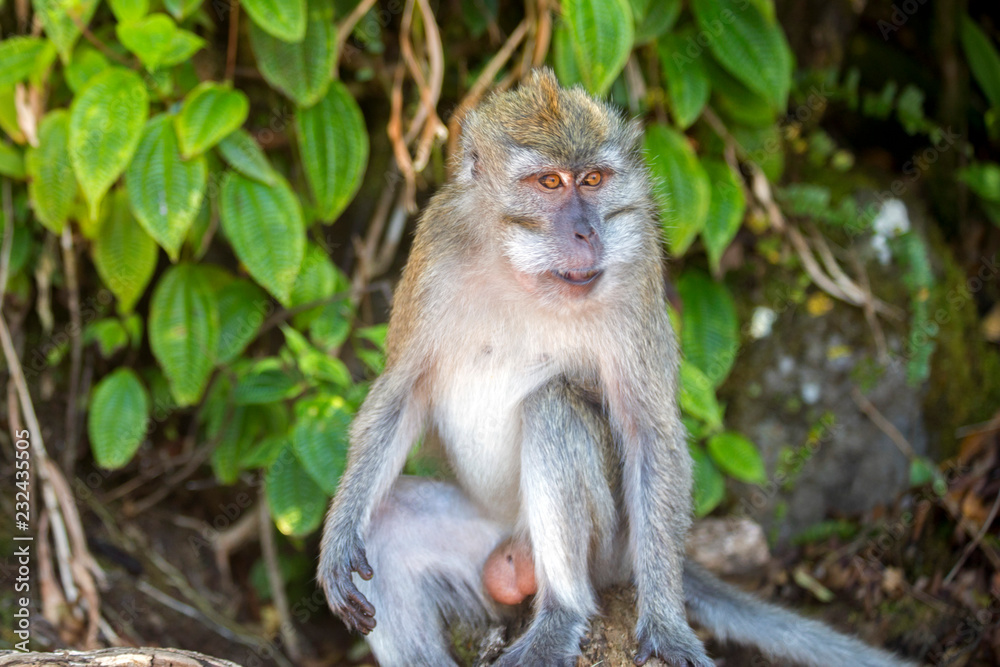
529	337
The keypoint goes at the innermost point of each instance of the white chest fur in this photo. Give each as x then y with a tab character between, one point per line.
477	412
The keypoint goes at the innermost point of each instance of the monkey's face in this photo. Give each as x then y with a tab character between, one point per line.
559	179
554	233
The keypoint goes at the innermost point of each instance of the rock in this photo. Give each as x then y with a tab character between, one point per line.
790	393
729	546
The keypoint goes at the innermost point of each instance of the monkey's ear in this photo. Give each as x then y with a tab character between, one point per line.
470	168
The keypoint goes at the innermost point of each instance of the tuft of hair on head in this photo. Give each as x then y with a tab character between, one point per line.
565	125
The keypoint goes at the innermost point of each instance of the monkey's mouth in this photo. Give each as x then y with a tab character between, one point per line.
578	277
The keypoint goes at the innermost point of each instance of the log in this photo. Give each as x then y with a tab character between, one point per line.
114	657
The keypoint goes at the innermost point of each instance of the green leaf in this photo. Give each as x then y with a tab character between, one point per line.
58	23
333	143
316	365
18	56
265	382
11	162
264	225
265	452
332	325
157	41
124	254
317	280
737	102
108	333
52	185
687	81
601	33
984	60
242	309
181	9
116	423
749	45
297	503
738	457
681	186
129	10
234	437
725	210
243	154
983	178
709	485
184	331
710	331
284	19
105	126
567	70
654	20
166	190
87	64
697	396
210	112
302	68
319	437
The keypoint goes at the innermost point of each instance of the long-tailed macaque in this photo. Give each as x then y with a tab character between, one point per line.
529	336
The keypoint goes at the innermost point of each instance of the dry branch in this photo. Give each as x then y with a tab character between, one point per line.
116	657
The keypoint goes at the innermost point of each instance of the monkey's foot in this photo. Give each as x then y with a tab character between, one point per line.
677	645
552	639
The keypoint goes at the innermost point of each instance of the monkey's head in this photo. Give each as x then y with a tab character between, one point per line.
560	180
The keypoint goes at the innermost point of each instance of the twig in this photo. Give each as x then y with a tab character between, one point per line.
76	348
166	487
387	253
971	546
881	347
234	39
50	475
883	424
543	34
101	46
431	93
293	642
394	129
841	288
482	84
8	235
345	27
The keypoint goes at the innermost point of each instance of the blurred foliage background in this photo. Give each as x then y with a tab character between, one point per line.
205	205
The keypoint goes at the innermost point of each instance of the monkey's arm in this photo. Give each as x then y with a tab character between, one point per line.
657	478
381	435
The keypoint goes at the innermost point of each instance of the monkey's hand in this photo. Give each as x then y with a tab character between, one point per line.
673	642
338	561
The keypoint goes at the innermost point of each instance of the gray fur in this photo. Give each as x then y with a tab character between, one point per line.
733	615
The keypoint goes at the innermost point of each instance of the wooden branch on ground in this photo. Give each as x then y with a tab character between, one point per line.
116	657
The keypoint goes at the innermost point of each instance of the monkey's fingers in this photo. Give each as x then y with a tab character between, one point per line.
677	656
644	653
359	564
360	602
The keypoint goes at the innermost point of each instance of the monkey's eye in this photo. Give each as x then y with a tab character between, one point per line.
549	181
593	179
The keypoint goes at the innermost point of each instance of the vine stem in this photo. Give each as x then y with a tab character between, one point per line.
76	348
234	38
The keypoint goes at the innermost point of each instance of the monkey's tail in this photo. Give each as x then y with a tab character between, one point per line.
733	615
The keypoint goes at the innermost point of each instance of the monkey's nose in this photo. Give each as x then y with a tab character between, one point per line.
586	234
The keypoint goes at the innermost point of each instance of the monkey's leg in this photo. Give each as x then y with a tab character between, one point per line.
567	509
428	543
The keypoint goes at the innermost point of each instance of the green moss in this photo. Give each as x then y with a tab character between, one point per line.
964	386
